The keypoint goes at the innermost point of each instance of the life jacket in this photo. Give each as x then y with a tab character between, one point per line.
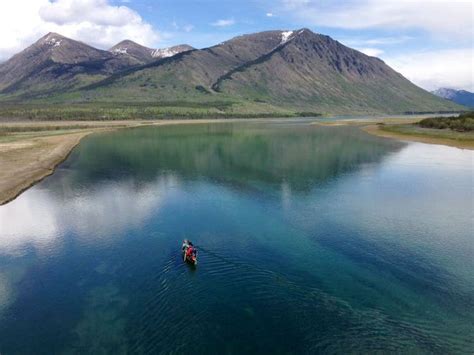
189	251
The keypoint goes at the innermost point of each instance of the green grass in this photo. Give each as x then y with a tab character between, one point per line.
136	110
416	130
16	136
462	123
25	128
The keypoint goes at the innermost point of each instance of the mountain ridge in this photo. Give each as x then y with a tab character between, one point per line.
55	61
461	97
146	54
265	71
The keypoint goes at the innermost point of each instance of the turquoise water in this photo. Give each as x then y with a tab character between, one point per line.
311	239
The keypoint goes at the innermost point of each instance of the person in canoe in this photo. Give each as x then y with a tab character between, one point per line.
189	252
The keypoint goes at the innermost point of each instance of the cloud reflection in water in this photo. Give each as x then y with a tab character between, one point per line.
39	219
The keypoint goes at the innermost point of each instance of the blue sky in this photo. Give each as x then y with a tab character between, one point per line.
197	23
429	41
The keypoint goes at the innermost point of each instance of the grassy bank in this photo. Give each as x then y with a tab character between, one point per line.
31	150
456	131
107	111
27	161
464	122
409	129
414	132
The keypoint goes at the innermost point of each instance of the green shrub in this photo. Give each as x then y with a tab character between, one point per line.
462	123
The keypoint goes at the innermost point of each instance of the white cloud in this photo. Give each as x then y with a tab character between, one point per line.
448	18
188	28
224	23
452	68
95	22
185	28
39	220
373	52
384	41
269	14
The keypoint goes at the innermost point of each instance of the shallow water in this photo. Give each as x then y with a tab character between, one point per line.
311	239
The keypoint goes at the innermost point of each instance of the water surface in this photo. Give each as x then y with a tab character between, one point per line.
311	239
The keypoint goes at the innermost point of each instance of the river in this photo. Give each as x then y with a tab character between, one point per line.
310	238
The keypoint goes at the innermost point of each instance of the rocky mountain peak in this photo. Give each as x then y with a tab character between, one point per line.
126	46
145	54
445	92
170	51
461	97
55	40
51	36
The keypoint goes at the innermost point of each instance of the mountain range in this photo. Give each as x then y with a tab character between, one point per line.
56	63
271	71
461	97
144	54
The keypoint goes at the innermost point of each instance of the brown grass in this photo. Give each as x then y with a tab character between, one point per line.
389	128
415	136
30	151
25	162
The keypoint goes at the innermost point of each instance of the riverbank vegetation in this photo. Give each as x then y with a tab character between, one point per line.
107	111
462	123
30	150
455	131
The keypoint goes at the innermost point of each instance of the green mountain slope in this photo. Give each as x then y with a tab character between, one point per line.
56	63
187	75
267	72
314	72
272	72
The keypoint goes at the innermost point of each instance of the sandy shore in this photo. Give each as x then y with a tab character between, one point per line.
25	162
33	149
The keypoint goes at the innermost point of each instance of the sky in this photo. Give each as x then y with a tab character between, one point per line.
431	42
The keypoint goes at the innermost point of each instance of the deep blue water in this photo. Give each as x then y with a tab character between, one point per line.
311	239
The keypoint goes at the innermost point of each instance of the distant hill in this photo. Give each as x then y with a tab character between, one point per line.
141	53
55	63
267	72
461	97
145	54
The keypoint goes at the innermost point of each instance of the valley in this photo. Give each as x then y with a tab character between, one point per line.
236	177
61	90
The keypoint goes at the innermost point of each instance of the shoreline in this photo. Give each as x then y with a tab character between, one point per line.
38	173
414	137
373	127
36	149
28	157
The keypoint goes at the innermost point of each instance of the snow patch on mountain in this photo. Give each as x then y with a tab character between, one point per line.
120	50
445	93
285	36
164	53
461	97
52	39
53	42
